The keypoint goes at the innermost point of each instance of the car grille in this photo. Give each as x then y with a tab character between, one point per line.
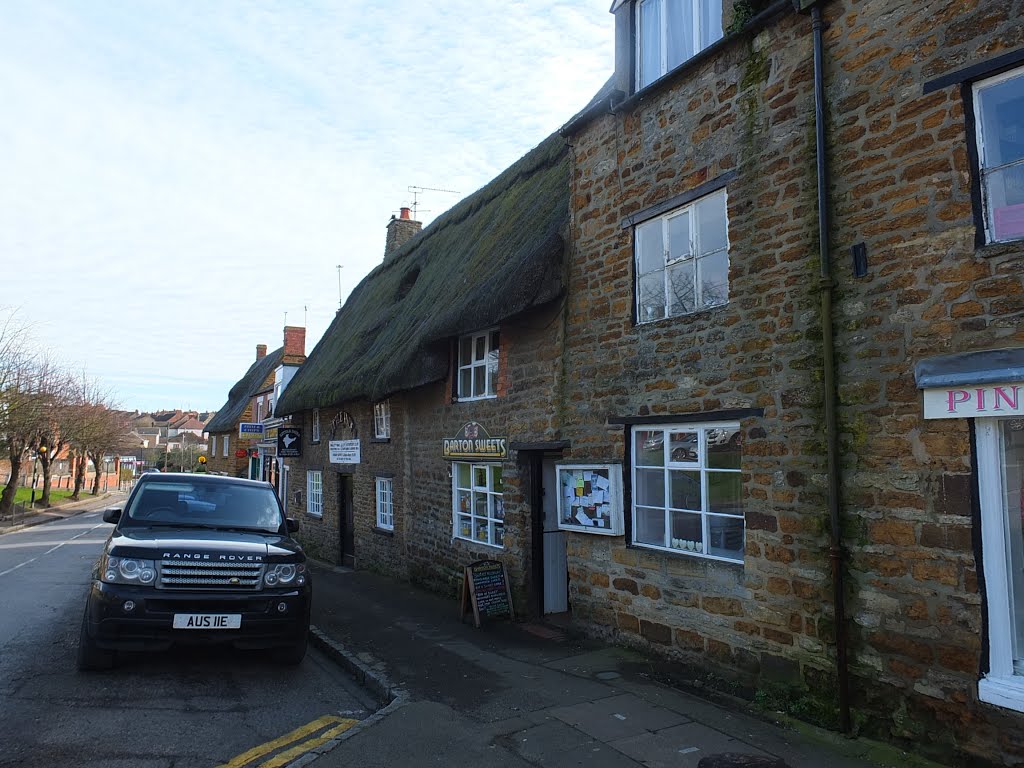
203	575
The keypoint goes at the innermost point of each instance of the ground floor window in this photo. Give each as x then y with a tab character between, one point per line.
1000	444
315	493
687	492
385	504
479	507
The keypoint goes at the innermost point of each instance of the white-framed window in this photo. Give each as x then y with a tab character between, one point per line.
316	425
259	411
479	506
315	493
687	492
1000	444
213	445
385	503
225	453
682	260
478	365
999	110
382	419
671	31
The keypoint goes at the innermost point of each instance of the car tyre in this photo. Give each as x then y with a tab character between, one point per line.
292	655
90	656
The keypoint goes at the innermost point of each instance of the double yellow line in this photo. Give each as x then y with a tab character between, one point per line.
334	727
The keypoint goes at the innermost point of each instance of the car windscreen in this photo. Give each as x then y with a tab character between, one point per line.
205	504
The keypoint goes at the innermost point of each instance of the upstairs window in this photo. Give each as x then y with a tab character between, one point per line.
671	31
316	425
213	445
999	107
478	365
225	446
682	260
382	419
259	411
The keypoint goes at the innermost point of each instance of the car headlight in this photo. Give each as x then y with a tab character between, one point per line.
128	570
285	574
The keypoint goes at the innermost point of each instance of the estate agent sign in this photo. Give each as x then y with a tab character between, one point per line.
473	442
250	430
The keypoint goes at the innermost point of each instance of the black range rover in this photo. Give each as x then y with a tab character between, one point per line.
197	559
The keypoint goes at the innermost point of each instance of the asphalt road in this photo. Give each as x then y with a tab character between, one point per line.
184	708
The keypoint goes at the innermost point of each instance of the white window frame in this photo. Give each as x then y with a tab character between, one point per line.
213	445
1002	685
699	463
703	34
487	366
259	411
315	492
385	503
316	425
382	419
226	441
495	518
985	169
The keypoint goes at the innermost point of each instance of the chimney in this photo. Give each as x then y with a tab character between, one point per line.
294	345
261	351
400	230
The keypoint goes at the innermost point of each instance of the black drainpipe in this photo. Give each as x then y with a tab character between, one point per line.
836	552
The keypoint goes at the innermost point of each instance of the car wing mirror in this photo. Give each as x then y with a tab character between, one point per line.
292	523
112	515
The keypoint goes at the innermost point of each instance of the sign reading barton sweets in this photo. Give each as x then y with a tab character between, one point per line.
473	442
974	401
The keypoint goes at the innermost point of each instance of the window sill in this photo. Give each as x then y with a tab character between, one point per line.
388	533
475	399
1006	692
380	439
499	547
314	515
994	250
687	555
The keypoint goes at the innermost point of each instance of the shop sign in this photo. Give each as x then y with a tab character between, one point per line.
344	451
989	400
289	442
473	442
250	430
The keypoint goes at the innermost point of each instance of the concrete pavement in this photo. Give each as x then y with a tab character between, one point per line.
525	694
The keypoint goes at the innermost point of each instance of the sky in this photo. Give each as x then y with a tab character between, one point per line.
179	179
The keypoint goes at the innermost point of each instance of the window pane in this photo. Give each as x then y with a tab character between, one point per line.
680	288
1005	192
714	279
682	447
679	31
463	475
480	505
492	370
724	447
499	535
687	532
1013	483
480	476
649	57
496	483
650	526
1002	117
479	381
650	488
711	224
685	490
726	537
463	501
466	382
465	528
650	253
499	508
465	350
651	299
679	237
650	449
710	22
724	493
479	348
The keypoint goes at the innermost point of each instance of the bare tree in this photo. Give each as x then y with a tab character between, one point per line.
94	430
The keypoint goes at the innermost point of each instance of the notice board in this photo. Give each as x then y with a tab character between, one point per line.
485	591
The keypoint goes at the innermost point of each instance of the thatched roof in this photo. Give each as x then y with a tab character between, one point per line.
238	398
494	255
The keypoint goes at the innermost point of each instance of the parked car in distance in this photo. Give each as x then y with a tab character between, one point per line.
197	559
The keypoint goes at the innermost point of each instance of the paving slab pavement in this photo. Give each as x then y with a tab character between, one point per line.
523	694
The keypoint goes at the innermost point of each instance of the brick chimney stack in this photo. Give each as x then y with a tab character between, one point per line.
400	230
261	351
294	345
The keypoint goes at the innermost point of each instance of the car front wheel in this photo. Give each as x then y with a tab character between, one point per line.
90	656
290	655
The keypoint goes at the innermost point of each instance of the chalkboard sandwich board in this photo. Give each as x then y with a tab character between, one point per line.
485	590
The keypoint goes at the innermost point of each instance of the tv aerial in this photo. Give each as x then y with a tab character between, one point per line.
416	190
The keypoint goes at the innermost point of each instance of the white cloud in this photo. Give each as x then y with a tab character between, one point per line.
178	175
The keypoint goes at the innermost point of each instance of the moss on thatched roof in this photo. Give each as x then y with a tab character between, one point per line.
238	398
494	255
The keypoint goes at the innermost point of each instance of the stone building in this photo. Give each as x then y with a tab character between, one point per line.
756	301
426	408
